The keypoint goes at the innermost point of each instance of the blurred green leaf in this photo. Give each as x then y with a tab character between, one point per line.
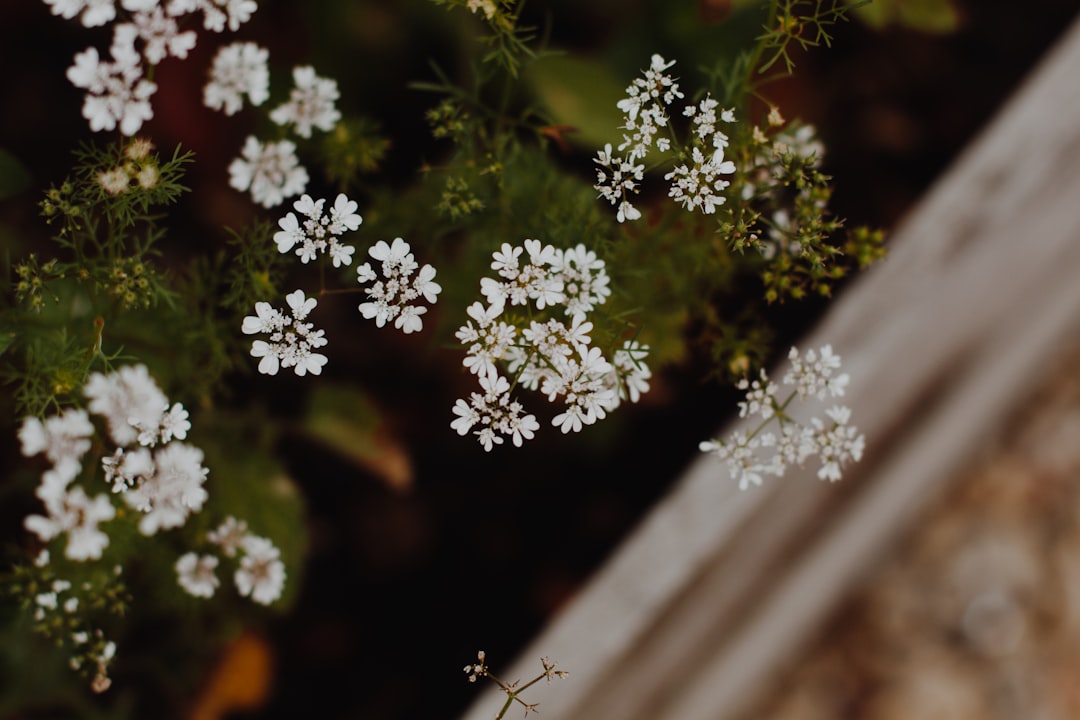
345	420
580	93
935	16
14	177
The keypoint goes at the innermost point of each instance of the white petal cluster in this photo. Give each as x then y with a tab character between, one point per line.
238	69
195	574
152	472
118	90
833	440
272	172
645	107
216	13
319	232
399	284
259	572
117	94
696	181
554	356
291	340
312	103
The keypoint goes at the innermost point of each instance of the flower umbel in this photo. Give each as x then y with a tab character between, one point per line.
291	340
319	232
394	289
750	457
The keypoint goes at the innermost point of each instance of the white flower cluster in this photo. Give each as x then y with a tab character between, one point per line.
392	294
291	339
696	182
554	356
319	232
153	473
391	297
750	457
271	171
118	90
259	574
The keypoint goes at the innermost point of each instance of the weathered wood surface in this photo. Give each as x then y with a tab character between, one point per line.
716	587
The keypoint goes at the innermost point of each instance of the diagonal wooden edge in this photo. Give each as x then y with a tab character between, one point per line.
716	587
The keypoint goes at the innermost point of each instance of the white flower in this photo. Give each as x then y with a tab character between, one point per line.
488	341
838	444
615	179
173	491
760	398
216	12
239	69
580	382
698	185
630	375
644	107
311	103
125	469
584	279
391	297
77	515
131	403
195	574
229	536
117	92
64	439
812	373
94	12
319	233
835	442
535	280
291	339
495	413
261	573
272	172
160	35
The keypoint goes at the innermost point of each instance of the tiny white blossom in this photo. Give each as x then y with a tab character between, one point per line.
94	13
834	441
117	93
311	103
392	296
78	515
64	439
291	339
130	401
160	35
239	69
271	172
319	232
174	490
216	13
195	574
229	536
495	413
261	574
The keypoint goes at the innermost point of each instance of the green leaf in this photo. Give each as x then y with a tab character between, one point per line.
933	16
579	93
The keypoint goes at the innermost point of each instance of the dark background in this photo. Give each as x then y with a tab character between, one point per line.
403	585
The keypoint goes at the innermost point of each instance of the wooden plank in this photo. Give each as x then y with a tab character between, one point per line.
717	587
